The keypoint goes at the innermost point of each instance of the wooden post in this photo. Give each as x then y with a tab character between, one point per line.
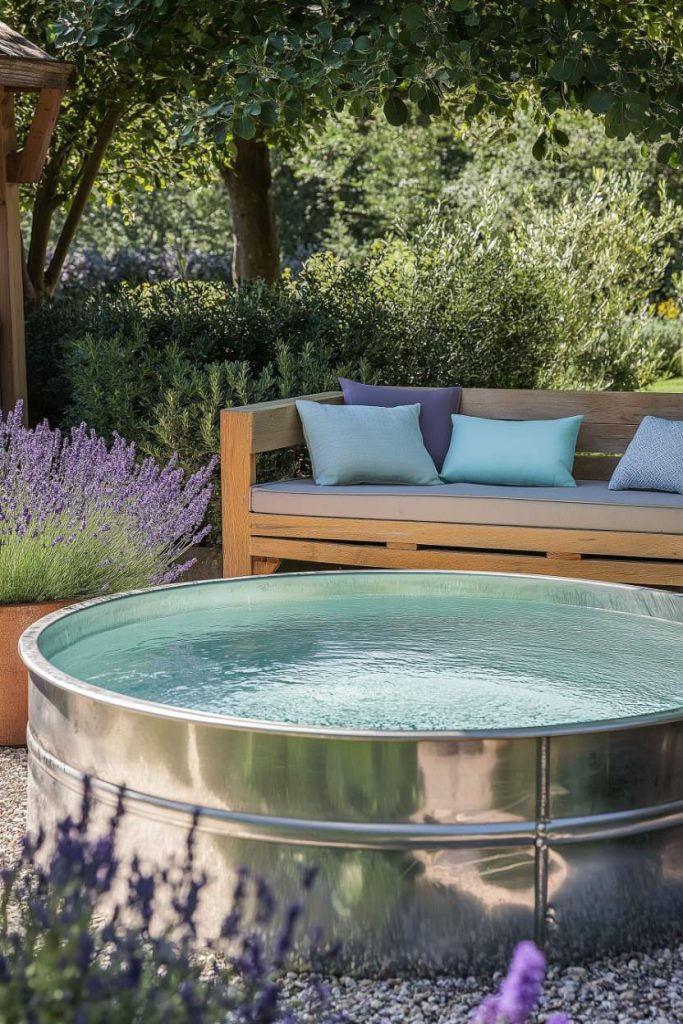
238	473
12	346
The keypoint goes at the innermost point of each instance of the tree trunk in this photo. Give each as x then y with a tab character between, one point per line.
44	206
89	173
256	250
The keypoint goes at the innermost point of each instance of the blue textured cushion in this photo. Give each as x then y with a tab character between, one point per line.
654	459
516	453
359	444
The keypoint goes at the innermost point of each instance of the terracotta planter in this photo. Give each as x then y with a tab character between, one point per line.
14	619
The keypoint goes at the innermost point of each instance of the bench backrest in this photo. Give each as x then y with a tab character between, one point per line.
611	419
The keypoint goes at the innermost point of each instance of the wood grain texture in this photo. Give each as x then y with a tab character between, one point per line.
27	164
277	424
264	566
12	346
612	417
468	535
614	570
238	473
23	65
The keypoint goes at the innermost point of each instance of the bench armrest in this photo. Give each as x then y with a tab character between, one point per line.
269	426
245	432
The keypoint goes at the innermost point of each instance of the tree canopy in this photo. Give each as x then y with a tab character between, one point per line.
280	67
226	79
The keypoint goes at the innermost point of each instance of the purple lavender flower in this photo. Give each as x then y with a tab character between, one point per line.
62	957
520	990
81	518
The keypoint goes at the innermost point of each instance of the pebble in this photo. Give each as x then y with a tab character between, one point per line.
630	988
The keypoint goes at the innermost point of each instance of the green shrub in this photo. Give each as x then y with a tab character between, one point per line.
186	418
563	299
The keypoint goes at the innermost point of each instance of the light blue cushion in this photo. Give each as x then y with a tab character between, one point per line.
360	444
516	453
654	459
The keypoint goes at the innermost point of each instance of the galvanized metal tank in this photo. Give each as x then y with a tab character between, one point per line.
437	850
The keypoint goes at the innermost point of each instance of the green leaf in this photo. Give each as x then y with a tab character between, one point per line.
343	45
429	103
567	69
413	15
395	111
599	101
460	5
269	113
475	106
616	125
560	137
244	126
540	146
363	44
324	29
665	152
597	69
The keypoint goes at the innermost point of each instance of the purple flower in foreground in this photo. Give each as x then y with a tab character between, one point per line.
519	992
80	959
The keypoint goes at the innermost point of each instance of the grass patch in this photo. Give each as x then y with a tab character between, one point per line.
671	384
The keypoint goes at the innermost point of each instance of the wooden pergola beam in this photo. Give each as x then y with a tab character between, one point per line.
27	163
13	384
24	67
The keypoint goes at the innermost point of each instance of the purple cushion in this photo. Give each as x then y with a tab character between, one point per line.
437	405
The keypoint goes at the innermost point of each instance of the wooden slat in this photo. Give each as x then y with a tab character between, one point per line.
607	407
12	345
615	570
27	164
468	535
612	417
594	467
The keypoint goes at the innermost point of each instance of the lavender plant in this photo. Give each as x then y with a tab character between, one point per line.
519	992
79	518
64	961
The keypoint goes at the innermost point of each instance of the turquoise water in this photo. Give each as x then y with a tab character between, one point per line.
438	660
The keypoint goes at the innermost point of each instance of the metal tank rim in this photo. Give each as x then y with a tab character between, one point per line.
37	663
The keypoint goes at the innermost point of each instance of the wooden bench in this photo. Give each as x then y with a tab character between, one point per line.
255	543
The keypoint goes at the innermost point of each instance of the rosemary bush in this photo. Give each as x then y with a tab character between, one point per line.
79	518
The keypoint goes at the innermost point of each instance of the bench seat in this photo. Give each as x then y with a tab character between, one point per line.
587	532
588	506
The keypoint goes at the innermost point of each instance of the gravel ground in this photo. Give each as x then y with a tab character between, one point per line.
12	801
627	989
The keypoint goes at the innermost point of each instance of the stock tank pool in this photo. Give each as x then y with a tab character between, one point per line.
468	758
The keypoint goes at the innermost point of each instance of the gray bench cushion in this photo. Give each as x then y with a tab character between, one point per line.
588	506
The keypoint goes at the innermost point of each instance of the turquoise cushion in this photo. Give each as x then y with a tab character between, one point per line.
360	444
519	453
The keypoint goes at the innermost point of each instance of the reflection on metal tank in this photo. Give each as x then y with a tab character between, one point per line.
436	850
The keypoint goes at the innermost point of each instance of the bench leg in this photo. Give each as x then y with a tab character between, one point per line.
238	473
264	566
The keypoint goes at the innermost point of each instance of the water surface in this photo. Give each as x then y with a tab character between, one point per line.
410	657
